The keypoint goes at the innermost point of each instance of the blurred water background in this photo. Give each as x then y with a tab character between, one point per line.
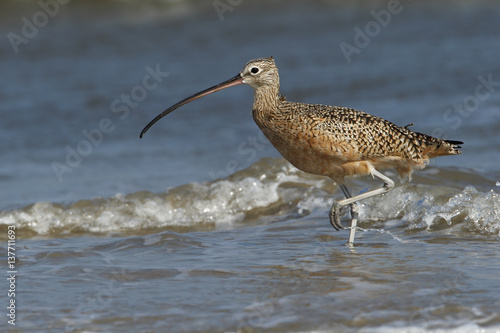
201	226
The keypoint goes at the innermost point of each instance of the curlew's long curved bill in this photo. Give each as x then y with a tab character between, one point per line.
234	81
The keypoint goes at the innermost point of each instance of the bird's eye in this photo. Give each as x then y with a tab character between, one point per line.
254	70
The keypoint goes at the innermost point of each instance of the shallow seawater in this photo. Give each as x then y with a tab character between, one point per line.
201	226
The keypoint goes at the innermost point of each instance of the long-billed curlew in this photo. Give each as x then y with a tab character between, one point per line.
330	141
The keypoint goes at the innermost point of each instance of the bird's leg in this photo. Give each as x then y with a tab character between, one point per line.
354	213
337	206
388	185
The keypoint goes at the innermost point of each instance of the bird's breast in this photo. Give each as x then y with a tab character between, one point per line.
301	142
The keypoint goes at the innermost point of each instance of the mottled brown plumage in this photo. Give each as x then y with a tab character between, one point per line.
328	140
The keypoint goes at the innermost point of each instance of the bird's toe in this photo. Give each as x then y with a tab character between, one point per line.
335	216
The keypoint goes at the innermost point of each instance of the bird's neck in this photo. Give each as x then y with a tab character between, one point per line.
266	98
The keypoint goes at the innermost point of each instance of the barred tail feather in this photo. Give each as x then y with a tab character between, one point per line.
446	147
454	144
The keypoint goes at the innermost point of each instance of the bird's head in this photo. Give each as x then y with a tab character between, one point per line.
261	74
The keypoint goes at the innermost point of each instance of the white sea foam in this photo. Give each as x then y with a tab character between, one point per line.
269	188
430	207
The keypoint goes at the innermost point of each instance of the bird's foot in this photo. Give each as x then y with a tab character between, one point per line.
335	216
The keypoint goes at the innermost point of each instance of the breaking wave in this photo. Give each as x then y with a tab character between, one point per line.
268	191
